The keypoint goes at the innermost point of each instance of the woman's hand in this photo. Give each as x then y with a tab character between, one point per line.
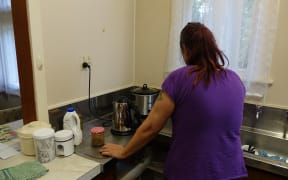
113	150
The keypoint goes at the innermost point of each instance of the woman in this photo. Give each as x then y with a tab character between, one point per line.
205	102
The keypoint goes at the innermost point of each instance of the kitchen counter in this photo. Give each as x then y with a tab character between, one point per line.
71	167
130	168
86	150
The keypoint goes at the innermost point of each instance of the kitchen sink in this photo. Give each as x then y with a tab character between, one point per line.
266	140
271	150
263	134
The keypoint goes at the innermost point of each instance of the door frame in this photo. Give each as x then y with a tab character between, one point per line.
24	59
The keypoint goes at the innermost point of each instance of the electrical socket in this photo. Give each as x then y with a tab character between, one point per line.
84	59
85	65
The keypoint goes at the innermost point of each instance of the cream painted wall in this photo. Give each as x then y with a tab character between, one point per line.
278	93
71	30
152	29
151	42
104	30
100	29
39	74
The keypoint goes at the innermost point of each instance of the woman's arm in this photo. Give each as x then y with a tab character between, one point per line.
161	111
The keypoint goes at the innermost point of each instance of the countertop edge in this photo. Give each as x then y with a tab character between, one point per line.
91	174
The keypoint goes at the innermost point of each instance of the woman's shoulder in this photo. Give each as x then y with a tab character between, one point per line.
176	75
232	73
234	77
179	71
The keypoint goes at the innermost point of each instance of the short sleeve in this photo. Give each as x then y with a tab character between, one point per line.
169	86
242	84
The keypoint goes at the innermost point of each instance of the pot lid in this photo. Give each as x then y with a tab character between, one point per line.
43	133
144	90
27	130
63	135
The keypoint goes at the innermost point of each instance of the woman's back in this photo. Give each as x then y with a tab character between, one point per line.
206	126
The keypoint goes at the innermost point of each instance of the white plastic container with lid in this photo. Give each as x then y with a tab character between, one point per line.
64	143
71	121
44	142
25	136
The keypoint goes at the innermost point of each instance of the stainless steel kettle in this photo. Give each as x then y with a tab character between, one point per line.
125	117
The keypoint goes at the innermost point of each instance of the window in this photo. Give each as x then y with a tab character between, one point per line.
245	31
9	82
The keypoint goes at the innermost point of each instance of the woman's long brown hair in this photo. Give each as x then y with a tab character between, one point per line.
203	52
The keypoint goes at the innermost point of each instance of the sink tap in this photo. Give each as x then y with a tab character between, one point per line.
259	111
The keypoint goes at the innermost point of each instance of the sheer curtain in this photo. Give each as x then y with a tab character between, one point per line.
244	30
9	82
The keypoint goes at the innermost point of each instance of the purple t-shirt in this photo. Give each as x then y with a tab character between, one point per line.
206	127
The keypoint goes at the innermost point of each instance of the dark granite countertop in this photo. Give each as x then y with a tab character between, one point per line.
86	150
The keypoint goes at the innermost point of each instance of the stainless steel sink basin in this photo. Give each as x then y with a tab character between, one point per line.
266	140
271	142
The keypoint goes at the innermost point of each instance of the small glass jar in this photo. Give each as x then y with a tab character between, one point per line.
97	136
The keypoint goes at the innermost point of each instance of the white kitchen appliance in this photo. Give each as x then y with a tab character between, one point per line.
64	143
26	138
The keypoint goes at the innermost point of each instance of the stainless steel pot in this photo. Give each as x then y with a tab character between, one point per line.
144	98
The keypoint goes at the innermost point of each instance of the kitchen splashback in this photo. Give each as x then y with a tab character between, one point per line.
100	106
260	117
265	118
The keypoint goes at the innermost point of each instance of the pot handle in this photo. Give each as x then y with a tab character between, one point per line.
144	86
